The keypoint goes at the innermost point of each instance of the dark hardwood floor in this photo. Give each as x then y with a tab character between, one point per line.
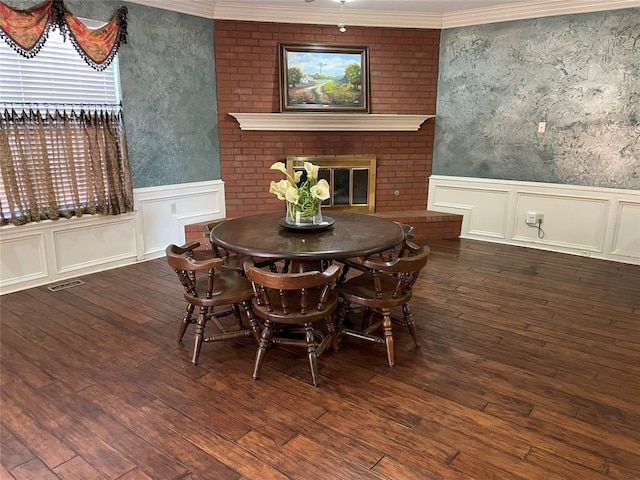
530	369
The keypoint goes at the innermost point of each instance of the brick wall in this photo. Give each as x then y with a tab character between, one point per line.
403	67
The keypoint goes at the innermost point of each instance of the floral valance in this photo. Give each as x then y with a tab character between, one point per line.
27	30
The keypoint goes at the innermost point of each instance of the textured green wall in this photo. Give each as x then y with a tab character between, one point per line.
167	73
578	73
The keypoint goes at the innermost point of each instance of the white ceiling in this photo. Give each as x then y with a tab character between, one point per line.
386	13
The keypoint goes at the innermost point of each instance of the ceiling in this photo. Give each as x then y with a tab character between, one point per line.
386	13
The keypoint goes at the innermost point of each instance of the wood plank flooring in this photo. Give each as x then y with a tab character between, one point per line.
529	369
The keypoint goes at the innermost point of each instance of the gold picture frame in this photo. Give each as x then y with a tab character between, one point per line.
321	78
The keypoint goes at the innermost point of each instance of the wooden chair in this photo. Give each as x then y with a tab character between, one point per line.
230	260
294	300
408	231
208	287
382	286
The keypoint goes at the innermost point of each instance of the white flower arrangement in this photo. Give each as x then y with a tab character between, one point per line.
303	197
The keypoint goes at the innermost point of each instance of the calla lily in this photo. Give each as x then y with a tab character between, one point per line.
279	188
291	195
280	167
297	176
321	190
312	170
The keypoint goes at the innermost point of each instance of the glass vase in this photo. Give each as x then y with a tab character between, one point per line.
303	219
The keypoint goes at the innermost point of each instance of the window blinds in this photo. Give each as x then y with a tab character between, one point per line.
56	75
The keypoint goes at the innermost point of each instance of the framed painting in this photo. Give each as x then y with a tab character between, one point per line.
324	78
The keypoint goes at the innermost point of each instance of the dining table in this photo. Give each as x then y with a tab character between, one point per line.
342	235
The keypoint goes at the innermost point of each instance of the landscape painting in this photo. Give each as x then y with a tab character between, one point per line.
324	78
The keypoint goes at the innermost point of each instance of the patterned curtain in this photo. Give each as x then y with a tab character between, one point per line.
26	31
58	164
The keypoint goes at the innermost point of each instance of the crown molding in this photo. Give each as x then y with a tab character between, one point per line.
190	7
531	9
325	16
330	122
236	10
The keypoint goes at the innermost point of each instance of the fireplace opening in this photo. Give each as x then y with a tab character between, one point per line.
352	180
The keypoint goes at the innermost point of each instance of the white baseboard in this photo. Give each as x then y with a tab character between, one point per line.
49	251
590	221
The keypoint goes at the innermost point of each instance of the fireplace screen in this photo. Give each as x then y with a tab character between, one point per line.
352	180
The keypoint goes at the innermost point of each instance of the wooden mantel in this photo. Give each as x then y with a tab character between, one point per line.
336	122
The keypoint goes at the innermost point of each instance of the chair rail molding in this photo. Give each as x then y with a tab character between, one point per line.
330	122
588	221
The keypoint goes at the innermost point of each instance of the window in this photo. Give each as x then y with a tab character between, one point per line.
57	74
75	108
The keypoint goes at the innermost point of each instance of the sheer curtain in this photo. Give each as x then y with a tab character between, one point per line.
63	163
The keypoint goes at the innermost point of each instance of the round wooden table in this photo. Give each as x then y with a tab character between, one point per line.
352	235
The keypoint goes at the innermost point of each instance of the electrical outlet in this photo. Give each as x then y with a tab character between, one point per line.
533	218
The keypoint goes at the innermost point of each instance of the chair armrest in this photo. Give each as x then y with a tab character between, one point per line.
182	258
355	262
332	272
369	263
205	263
187	247
409	250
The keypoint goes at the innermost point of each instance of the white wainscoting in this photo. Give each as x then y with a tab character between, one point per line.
45	252
164	211
590	221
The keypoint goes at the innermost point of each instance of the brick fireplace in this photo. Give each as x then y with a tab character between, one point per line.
403	79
